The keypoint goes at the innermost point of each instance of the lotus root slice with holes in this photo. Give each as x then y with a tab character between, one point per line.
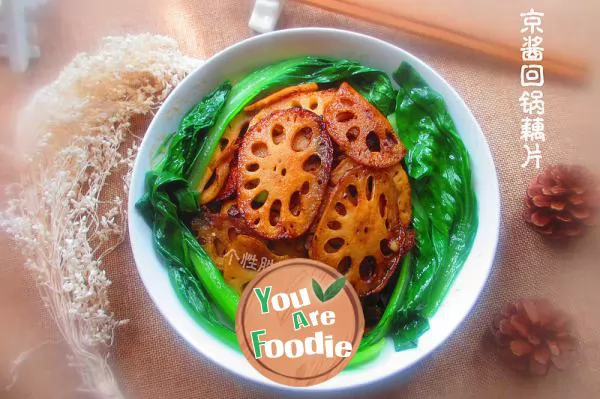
399	177
238	255
217	171
312	101
278	95
229	189
284	163
253	256
361	131
215	234
359	232
402	184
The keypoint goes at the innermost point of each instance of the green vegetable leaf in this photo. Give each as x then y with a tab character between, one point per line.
189	289
194	299
407	335
318	290
183	147
379	91
443	201
169	200
334	289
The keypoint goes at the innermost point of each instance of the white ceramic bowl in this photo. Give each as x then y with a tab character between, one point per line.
269	48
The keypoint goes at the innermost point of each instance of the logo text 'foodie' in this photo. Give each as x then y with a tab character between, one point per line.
292	330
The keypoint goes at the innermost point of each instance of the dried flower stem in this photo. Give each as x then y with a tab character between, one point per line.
61	214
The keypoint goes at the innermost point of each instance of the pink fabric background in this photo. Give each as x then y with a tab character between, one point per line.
151	361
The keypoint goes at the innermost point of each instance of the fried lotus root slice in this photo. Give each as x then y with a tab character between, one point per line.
216	234
294	248
399	177
238	255
278	95
312	101
229	209
249	255
402	185
361	131
340	170
359	232
217	171
284	164
229	189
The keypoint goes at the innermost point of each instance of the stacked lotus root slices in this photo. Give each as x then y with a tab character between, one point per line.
308	173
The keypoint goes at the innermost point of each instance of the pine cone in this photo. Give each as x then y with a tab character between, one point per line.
562	201
532	335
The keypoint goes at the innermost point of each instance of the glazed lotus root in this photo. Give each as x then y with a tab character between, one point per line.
294	248
314	101
215	234
238	255
217	171
399	177
360	233
253	256
284	163
361	131
402	185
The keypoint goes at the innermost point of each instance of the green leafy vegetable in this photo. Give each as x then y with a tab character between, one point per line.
412	326
192	296
443	200
169	201
373	83
379	92
366	354
183	146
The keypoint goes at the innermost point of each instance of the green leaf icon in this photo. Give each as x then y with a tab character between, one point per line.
330	292
334	289
318	290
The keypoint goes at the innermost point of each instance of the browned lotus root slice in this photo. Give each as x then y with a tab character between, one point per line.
217	171
229	209
217	178
340	170
402	185
215	234
238	255
314	101
294	248
399	177
361	131
248	256
284	164
273	98
359	232
230	187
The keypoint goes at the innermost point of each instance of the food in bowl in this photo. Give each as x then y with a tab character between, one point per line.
320	158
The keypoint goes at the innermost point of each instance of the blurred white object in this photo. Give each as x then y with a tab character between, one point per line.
265	15
15	28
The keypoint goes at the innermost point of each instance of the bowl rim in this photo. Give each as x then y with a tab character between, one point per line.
259	379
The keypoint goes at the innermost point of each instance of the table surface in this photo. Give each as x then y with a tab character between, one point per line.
151	361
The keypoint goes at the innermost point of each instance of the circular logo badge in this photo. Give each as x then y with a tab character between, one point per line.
299	322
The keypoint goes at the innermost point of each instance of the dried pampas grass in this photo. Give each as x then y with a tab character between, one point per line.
72	135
